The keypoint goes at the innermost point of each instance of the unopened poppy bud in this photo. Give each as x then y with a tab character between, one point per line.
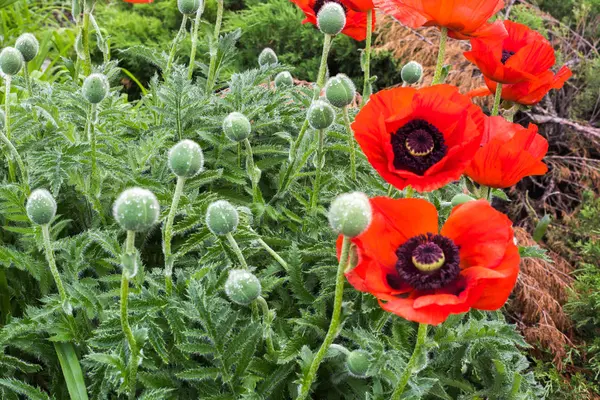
236	127
28	45
284	79
331	18
186	159
340	90
412	72
188	6
320	115
136	209
460	198
242	287
267	57
350	214
41	207
357	363
222	218
95	88
11	61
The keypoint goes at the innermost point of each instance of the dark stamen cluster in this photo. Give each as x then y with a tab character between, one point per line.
506	54
428	249
320	3
417	146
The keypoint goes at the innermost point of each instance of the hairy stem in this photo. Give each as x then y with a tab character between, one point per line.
408	371
85	41
133	350
211	78
441	54
52	264
4	297
7	86
168	235
367	67
267	319
180	33
497	100
350	142
236	250
94	180
320	161
333	326
251	170
273	253
27	77
194	33
15	154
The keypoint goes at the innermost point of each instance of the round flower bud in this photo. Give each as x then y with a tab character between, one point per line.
460	199
188	6
236	127
41	207
350	214
242	287
95	88
136	209
331	18
11	61
221	217
28	45
284	79
267	57
340	90
411	72
320	115
357	363
186	159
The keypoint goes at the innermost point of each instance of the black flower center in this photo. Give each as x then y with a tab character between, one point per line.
417	146
320	3
506	54
428	261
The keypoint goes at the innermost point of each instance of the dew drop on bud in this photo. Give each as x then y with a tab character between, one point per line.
350	214
221	217
41	207
242	287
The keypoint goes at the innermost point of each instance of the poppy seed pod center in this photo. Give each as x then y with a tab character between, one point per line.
506	54
417	146
428	261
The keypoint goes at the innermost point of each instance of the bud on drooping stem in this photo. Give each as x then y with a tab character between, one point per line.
11	61
340	91
95	88
41	207
237	127
350	214
284	79
222	218
411	72
28	45
267	57
242	287
358	363
186	159
331	18
136	209
189	7
320	115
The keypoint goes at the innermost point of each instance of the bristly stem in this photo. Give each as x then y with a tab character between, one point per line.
210	80
251	171
52	264
27	77
133	350
497	100
92	138
332	332
194	33
267	320
408	371
85	41
7	87
320	163
274	254
350	142
323	66
168	235
437	77
180	33
236	250
367	66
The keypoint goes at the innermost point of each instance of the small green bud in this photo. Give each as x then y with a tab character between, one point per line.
186	159
331	18
41	207
11	61
357	363
189	6
412	72
284	79
236	127
460	199
320	115
95	88
136	209
267	57
28	45
242	287
222	218
350	214
340	90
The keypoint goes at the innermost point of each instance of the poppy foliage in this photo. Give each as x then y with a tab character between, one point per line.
424	274
138	1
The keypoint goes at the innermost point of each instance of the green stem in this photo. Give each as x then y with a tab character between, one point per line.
211	78
7	87
441	54
340	348
94	180
53	269
4	297
333	326
320	162
15	154
367	66
390	190
133	362
323	66
497	100
174	46
350	142
71	369
251	170
274	254
408	371
168	235
85	41
236	250
410	192
194	33
267	319
27	78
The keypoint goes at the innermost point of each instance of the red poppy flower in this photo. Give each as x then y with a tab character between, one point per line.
509	153
423	138
463	18
521	56
423	274
359	5
356	22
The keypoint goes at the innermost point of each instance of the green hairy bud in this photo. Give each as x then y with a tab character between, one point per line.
95	88
242	287
267	57
11	61
186	159
28	45
357	363
221	217
331	18
284	79
340	91
320	115
41	207
236	127
189	7
350	214
412	72
136	209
